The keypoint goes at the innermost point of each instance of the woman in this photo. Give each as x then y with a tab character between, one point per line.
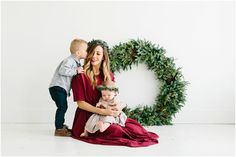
86	95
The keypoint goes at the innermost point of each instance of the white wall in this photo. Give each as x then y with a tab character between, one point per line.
200	35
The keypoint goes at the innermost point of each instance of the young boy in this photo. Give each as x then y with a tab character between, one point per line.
60	85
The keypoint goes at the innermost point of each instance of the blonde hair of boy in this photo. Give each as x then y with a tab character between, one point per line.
75	45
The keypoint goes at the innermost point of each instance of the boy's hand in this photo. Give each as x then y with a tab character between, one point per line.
80	70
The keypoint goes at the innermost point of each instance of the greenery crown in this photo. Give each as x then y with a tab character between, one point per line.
102	43
102	87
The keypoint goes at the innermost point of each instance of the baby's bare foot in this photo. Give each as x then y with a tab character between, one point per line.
99	124
102	126
84	134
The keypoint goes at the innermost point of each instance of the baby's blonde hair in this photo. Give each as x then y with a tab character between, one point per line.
75	44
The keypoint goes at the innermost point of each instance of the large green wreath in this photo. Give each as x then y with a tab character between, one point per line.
172	91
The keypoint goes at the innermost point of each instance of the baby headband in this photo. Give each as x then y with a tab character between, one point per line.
102	87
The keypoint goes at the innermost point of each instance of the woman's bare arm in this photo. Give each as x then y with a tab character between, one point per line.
88	107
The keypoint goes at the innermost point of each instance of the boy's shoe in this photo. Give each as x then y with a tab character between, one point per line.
66	127
62	132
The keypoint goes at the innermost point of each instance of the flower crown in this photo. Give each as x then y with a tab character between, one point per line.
102	87
102	43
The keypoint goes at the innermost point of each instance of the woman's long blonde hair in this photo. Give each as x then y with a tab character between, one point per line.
104	66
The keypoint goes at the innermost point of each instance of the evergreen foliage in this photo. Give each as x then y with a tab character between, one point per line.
173	86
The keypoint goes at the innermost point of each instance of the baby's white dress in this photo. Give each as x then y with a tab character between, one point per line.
91	126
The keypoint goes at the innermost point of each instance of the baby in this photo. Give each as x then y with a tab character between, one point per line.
98	122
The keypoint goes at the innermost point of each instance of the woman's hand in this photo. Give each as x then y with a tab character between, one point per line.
116	110
87	107
107	112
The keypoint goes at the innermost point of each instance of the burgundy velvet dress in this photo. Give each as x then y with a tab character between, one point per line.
132	135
